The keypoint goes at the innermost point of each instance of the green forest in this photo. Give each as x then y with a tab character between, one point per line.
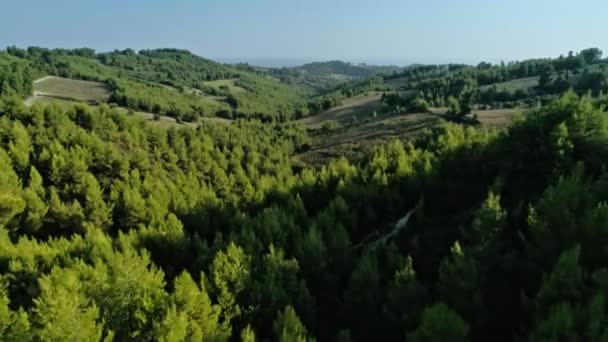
116	229
136	232
505	85
168	82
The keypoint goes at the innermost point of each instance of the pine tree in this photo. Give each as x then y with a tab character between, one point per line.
231	272
202	316
63	312
440	323
288	328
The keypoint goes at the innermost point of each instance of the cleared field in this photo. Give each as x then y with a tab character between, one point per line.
47	100
350	139
67	92
359	107
386	127
67	89
492	118
513	85
497	118
229	83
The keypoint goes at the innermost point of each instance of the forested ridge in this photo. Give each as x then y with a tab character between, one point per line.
168	82
115	229
487	85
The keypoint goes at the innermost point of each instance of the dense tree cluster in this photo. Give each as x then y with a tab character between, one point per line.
153	98
16	76
581	72
266	99
263	98
130	231
167	66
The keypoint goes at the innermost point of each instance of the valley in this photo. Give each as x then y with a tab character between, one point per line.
159	195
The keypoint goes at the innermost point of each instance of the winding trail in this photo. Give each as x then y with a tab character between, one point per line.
383	239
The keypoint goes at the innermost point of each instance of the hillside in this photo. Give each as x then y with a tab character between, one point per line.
165	81
343	68
137	232
516	84
319	78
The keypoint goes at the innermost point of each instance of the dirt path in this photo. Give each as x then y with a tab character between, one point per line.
37	94
44	78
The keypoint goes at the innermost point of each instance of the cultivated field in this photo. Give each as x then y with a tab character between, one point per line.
497	118
355	108
66	92
229	83
67	89
349	139
513	85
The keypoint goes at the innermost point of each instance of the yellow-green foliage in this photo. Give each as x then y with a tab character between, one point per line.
135	232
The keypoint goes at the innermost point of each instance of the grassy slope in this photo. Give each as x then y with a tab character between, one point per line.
359	106
85	91
226	83
67	92
350	137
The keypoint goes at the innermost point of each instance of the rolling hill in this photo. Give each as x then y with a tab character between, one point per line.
168	82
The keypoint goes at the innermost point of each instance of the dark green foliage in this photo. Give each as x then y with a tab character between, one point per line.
167	66
439	323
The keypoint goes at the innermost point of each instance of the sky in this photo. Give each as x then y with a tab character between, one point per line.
294	31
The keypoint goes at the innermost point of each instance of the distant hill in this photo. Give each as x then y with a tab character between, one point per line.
319	78
343	68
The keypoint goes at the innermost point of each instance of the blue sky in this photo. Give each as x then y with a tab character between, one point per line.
377	31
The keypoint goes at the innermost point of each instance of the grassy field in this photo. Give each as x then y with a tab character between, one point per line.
67	89
359	107
229	83
513	85
349	139
66	92
497	118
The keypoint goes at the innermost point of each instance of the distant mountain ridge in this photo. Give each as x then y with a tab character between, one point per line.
344	68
